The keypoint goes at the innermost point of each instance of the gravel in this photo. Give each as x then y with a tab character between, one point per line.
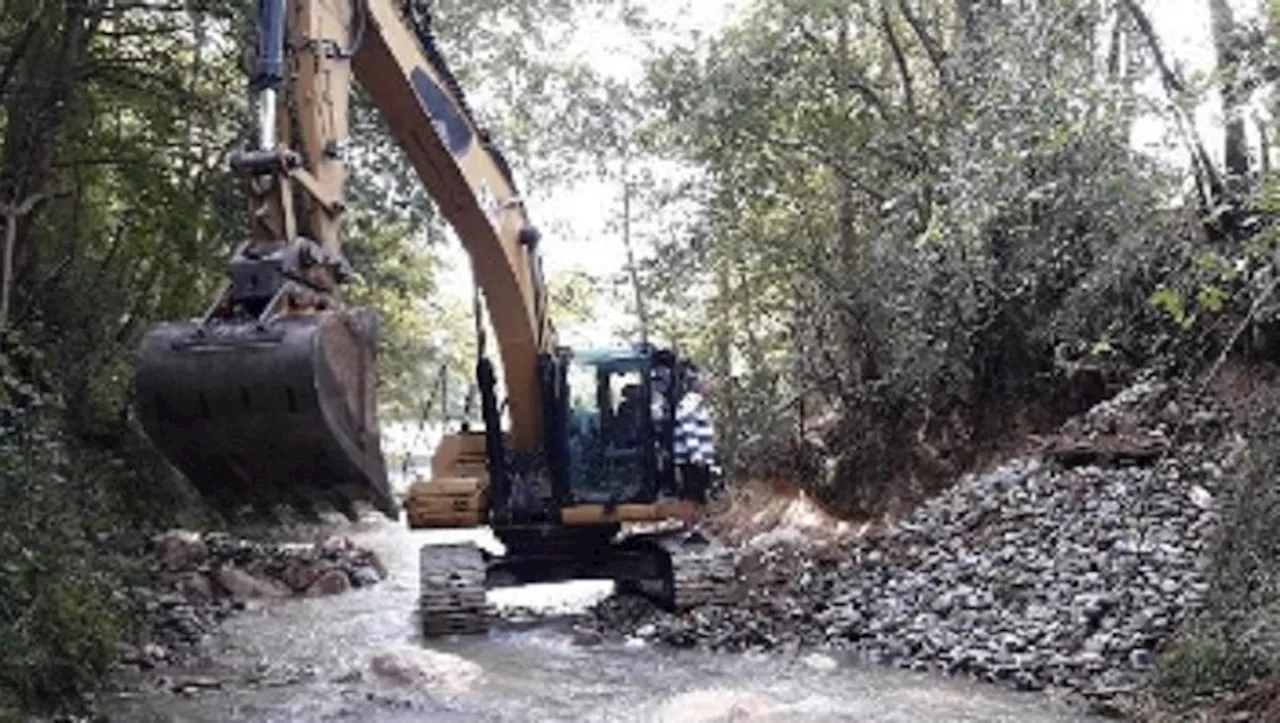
1036	574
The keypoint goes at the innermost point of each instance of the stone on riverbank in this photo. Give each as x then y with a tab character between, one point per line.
205	577
1047	571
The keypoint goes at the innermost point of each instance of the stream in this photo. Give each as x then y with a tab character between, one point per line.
357	656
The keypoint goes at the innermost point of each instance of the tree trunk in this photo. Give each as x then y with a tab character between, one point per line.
642	315
1264	146
1209	182
45	82
1273	31
969	15
12	214
1235	145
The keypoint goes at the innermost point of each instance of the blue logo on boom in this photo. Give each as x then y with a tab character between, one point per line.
450	126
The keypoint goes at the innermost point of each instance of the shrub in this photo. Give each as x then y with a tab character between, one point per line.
62	602
1203	665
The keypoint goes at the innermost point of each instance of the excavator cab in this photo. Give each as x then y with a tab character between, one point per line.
606	489
621	436
608	457
609	460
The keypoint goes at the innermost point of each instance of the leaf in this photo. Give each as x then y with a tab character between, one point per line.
1171	303
1213	299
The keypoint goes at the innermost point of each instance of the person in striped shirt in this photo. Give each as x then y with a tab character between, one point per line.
695	440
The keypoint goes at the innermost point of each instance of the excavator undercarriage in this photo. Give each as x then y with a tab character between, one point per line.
608	506
269	398
674	569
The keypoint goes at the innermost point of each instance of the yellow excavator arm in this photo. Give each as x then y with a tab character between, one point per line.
404	75
473	187
269	397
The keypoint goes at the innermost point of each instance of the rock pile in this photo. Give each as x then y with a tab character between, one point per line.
1036	574
218	565
204	578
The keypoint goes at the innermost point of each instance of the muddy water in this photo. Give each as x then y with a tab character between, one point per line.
356	657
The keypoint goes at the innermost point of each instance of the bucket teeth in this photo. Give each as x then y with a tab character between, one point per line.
268	415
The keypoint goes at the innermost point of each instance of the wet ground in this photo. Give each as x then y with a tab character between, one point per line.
356	656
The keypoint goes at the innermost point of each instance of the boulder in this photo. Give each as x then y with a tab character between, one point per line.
439	672
196	585
301	574
718	705
365	576
180	549
244	586
336	544
331	582
586	637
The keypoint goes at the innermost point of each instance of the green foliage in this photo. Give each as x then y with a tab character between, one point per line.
398	276
573	296
1171	303
553	113
1202	666
62	610
908	222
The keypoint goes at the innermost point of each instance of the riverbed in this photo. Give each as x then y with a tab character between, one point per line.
357	656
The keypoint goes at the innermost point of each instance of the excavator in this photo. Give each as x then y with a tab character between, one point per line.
268	399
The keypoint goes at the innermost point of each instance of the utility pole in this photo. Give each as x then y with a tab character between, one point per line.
631	256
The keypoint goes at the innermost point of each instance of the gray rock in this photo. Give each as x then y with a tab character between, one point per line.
244	586
365	576
196	585
1030	575
300	574
180	549
585	637
330	582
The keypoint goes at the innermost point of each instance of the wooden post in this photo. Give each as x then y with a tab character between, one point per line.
12	213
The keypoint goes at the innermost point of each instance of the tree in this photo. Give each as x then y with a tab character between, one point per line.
1226	44
908	209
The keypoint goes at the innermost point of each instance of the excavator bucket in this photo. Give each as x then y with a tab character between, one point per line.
266	414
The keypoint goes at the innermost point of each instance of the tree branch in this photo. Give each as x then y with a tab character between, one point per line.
904	70
15	54
1113	50
846	78
1206	172
930	44
11	213
1168	76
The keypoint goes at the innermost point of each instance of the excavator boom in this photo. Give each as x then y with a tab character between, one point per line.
269	397
404	74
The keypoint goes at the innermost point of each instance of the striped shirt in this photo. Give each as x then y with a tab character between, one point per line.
695	436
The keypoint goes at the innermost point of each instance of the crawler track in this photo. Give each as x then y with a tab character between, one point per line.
451	598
